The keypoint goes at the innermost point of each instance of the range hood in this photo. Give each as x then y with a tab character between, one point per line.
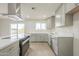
15	17
14	11
12	17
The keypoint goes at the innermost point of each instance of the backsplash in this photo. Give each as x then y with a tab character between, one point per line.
64	31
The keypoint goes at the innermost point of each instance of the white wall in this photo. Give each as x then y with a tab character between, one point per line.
4	26
4	8
64	31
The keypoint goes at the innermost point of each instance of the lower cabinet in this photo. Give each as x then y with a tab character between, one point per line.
11	50
63	46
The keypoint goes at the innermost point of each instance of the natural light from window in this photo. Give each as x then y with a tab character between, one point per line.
17	29
40	26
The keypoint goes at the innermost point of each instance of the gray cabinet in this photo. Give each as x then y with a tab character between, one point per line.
61	18
63	46
51	22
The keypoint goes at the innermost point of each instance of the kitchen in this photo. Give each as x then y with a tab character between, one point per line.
39	29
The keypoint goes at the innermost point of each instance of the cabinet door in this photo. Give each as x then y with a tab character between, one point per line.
60	16
51	22
4	8
55	45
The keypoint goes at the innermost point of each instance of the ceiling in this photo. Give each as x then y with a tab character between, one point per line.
38	10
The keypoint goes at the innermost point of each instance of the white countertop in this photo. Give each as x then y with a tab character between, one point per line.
6	42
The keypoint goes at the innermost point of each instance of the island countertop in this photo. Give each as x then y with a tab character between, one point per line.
6	41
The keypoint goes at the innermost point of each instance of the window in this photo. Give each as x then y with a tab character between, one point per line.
40	26
13	29
37	26
17	29
20	28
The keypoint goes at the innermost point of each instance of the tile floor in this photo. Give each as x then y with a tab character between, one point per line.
40	49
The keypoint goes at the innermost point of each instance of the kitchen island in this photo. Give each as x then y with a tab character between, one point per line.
9	46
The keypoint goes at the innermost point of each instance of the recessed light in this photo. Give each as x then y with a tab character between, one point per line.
58	16
28	16
44	16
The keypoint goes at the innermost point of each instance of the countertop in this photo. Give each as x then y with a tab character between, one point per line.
5	42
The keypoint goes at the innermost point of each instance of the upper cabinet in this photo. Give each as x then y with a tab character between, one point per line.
3	8
61	18
51	22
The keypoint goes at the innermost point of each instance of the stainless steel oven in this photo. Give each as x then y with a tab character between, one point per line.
24	45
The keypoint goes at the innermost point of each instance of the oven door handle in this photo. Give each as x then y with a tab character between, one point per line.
25	41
